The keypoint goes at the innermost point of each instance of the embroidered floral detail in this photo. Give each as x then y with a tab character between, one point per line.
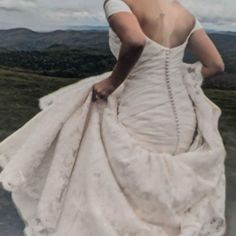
190	69
219	222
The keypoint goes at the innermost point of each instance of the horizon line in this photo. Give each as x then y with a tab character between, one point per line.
77	28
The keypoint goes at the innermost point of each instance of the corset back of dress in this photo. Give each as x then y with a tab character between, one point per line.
155	98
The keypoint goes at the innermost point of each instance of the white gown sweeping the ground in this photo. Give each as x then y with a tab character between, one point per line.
148	162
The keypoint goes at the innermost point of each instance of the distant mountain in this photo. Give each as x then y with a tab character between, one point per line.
89	27
82	37
227	33
28	40
210	30
79	53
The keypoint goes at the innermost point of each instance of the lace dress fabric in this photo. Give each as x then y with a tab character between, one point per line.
149	161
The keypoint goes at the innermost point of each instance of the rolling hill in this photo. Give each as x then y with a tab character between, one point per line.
83	37
23	39
80	53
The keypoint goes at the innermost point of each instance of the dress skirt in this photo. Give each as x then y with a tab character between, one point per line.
74	169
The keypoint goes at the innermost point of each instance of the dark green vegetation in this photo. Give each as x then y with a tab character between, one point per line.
70	53
58	62
78	54
18	96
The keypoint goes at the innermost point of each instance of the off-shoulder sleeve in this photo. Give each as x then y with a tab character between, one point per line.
197	25
113	6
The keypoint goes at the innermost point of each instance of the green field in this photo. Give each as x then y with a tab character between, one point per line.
19	93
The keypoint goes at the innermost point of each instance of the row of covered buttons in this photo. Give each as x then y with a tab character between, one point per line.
170	93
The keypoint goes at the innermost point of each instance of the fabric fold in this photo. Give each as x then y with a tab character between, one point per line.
75	162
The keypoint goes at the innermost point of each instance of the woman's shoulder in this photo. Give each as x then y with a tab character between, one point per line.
124	2
187	16
186	11
115	6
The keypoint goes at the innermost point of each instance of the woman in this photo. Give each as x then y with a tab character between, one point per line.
134	151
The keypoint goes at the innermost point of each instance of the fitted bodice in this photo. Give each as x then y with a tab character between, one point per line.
157	66
154	104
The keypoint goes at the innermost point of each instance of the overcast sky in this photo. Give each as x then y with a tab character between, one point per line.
60	14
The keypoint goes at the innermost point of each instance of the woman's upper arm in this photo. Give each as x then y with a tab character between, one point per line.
123	22
204	48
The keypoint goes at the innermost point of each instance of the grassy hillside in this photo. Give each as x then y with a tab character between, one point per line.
18	97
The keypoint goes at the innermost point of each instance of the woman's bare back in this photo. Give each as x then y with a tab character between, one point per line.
168	23
165	22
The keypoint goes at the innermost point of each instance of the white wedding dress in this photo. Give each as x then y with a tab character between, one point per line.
148	162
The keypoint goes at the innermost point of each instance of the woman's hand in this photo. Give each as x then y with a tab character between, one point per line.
102	89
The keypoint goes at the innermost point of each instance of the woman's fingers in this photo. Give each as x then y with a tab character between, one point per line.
93	94
102	89
98	95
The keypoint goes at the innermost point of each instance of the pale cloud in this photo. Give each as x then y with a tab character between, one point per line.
12	5
55	14
4	8
218	12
